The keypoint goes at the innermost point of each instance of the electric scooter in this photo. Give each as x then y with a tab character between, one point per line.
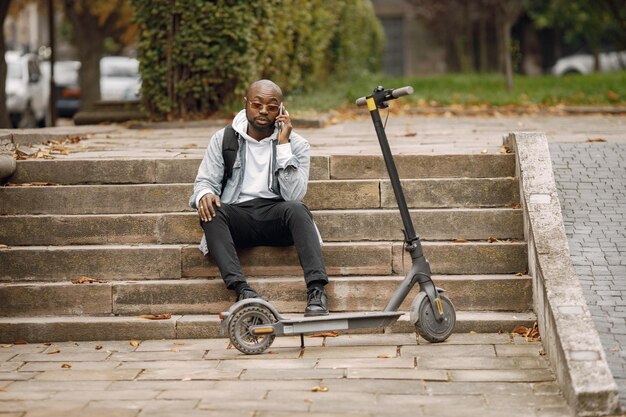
253	324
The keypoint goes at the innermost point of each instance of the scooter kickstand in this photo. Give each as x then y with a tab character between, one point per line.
301	340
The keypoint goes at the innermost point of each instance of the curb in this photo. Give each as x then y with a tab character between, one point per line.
568	333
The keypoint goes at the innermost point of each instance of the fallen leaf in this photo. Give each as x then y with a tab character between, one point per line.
134	343
596	140
326	334
519	274
472	332
85	280
410	134
179	343
4	246
98	347
272	352
308	400
491	239
75	139
460	241
319	388
505	149
66	366
542	352
3	389
156	316
484	151
55	351
20	342
516	206
48	343
384	356
612	95
174	350
6	346
186	379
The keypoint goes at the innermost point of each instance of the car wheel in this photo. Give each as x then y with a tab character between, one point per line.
28	119
571	71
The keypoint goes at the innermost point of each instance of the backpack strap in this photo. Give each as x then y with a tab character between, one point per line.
230	146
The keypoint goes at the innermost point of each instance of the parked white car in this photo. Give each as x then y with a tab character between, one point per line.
583	63
119	78
26	89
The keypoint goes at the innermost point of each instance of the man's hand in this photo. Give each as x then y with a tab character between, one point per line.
287	128
206	208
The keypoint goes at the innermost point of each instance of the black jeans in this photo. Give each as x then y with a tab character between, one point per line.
263	222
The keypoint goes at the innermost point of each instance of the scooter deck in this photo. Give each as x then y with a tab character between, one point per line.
336	321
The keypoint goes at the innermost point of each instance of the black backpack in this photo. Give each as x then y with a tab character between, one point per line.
230	146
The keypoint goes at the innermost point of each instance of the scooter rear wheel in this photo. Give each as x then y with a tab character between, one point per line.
428	327
239	329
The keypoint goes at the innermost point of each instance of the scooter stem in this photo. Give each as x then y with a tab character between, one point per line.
420	270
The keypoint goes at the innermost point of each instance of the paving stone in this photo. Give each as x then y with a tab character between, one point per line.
255	405
371	340
61	357
184	374
169	364
367	363
169	355
93	412
478	388
39	386
270	354
351	352
485	375
290	374
9	366
399	373
278	385
201	413
51	406
107	395
217	395
439	350
400	400
390	386
519	350
162	385
183	344
53	366
452	362
268	364
88	375
171	406
23	396
530	400
17	376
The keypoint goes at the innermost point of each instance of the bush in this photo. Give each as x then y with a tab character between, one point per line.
197	56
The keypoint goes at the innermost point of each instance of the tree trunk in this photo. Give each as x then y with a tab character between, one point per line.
89	41
4	115
483	45
506	50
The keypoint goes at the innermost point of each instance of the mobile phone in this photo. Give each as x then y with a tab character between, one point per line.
281	125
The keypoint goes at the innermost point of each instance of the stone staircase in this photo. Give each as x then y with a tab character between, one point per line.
126	224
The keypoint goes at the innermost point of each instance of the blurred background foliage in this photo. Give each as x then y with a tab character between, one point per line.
198	56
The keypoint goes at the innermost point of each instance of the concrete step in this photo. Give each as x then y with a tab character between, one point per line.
58	328
197	296
334	225
326	194
183	170
120	262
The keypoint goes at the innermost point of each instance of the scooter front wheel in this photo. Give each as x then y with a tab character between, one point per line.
429	327
240	329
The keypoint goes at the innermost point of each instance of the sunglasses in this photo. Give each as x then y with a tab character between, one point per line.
272	108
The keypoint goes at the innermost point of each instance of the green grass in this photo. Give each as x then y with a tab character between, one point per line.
473	90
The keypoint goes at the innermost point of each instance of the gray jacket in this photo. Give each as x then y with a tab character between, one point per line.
289	180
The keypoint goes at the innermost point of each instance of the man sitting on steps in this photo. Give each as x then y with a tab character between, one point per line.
259	203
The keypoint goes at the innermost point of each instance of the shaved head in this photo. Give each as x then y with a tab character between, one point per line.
266	86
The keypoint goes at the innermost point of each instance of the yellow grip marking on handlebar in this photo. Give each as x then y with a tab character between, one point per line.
371	104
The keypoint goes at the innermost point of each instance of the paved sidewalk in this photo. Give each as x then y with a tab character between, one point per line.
591	180
359	375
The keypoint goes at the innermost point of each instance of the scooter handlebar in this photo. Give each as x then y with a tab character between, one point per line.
398	92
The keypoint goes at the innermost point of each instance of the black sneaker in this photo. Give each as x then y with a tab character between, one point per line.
317	303
248	293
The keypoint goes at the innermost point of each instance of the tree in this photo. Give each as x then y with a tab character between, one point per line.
4	115
94	21
507	12
583	22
